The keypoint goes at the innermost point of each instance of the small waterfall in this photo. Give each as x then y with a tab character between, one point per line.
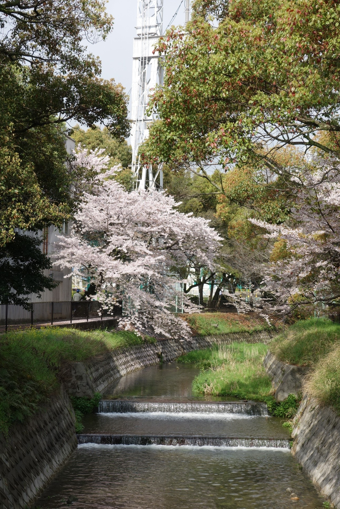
125	406
169	440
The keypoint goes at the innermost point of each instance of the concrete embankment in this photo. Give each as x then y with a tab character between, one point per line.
36	449
316	429
316	446
86	378
286	378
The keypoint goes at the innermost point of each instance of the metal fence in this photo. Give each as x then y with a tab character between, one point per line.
54	313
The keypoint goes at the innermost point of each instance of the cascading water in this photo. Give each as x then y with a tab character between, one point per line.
195	441
138	453
123	406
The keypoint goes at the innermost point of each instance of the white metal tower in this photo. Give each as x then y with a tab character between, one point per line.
146	74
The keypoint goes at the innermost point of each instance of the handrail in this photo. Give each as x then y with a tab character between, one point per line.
43	313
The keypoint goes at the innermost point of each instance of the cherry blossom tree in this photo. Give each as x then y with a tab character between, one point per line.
305	260
131	245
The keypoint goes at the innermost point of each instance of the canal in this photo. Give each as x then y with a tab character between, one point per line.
154	444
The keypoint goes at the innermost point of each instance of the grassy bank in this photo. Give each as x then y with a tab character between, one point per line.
306	342
207	324
236	370
314	343
231	370
30	361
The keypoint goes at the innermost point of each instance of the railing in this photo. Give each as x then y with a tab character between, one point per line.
54	313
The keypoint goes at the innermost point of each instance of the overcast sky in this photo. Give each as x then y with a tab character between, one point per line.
116	52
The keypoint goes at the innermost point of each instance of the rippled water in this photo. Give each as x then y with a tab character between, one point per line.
156	477
167	381
230	425
182	477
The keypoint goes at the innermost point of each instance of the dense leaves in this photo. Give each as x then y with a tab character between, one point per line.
117	151
22	266
247	74
46	78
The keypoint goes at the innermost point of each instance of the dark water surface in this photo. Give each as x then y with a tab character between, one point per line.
230	425
157	477
170	381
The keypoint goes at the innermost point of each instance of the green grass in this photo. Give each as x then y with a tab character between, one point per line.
306	342
231	370
30	361
206	324
314	343
236	370
324	381
84	406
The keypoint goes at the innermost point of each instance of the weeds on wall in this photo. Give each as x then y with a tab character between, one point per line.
84	406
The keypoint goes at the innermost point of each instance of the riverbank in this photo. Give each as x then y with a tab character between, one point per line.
31	363
313	345
306	358
41	369
236	370
208	324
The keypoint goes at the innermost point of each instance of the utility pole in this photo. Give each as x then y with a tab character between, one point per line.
146	75
187	11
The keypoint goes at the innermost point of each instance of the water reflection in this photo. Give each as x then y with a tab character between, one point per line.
230	425
187	478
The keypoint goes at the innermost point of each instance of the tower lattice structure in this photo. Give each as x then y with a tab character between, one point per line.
147	73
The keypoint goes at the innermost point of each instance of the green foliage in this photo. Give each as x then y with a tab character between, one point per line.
232	370
94	138
314	343
84	406
237	370
247	73
288	425
205	324
305	342
118	151
30	363
286	409
22	266
46	79
79	426
24	203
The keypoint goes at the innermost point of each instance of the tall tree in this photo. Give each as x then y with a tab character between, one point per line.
22	269
245	78
46	78
128	243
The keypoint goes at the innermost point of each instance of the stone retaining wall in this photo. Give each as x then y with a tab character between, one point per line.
316	429
86	378
35	451
286	378
317	446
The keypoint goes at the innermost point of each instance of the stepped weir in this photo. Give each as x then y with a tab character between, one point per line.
157	445
195	441
124	406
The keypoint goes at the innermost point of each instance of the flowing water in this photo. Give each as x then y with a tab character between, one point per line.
159	446
230	425
166	381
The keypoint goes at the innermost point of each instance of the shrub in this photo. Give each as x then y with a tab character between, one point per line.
84	406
